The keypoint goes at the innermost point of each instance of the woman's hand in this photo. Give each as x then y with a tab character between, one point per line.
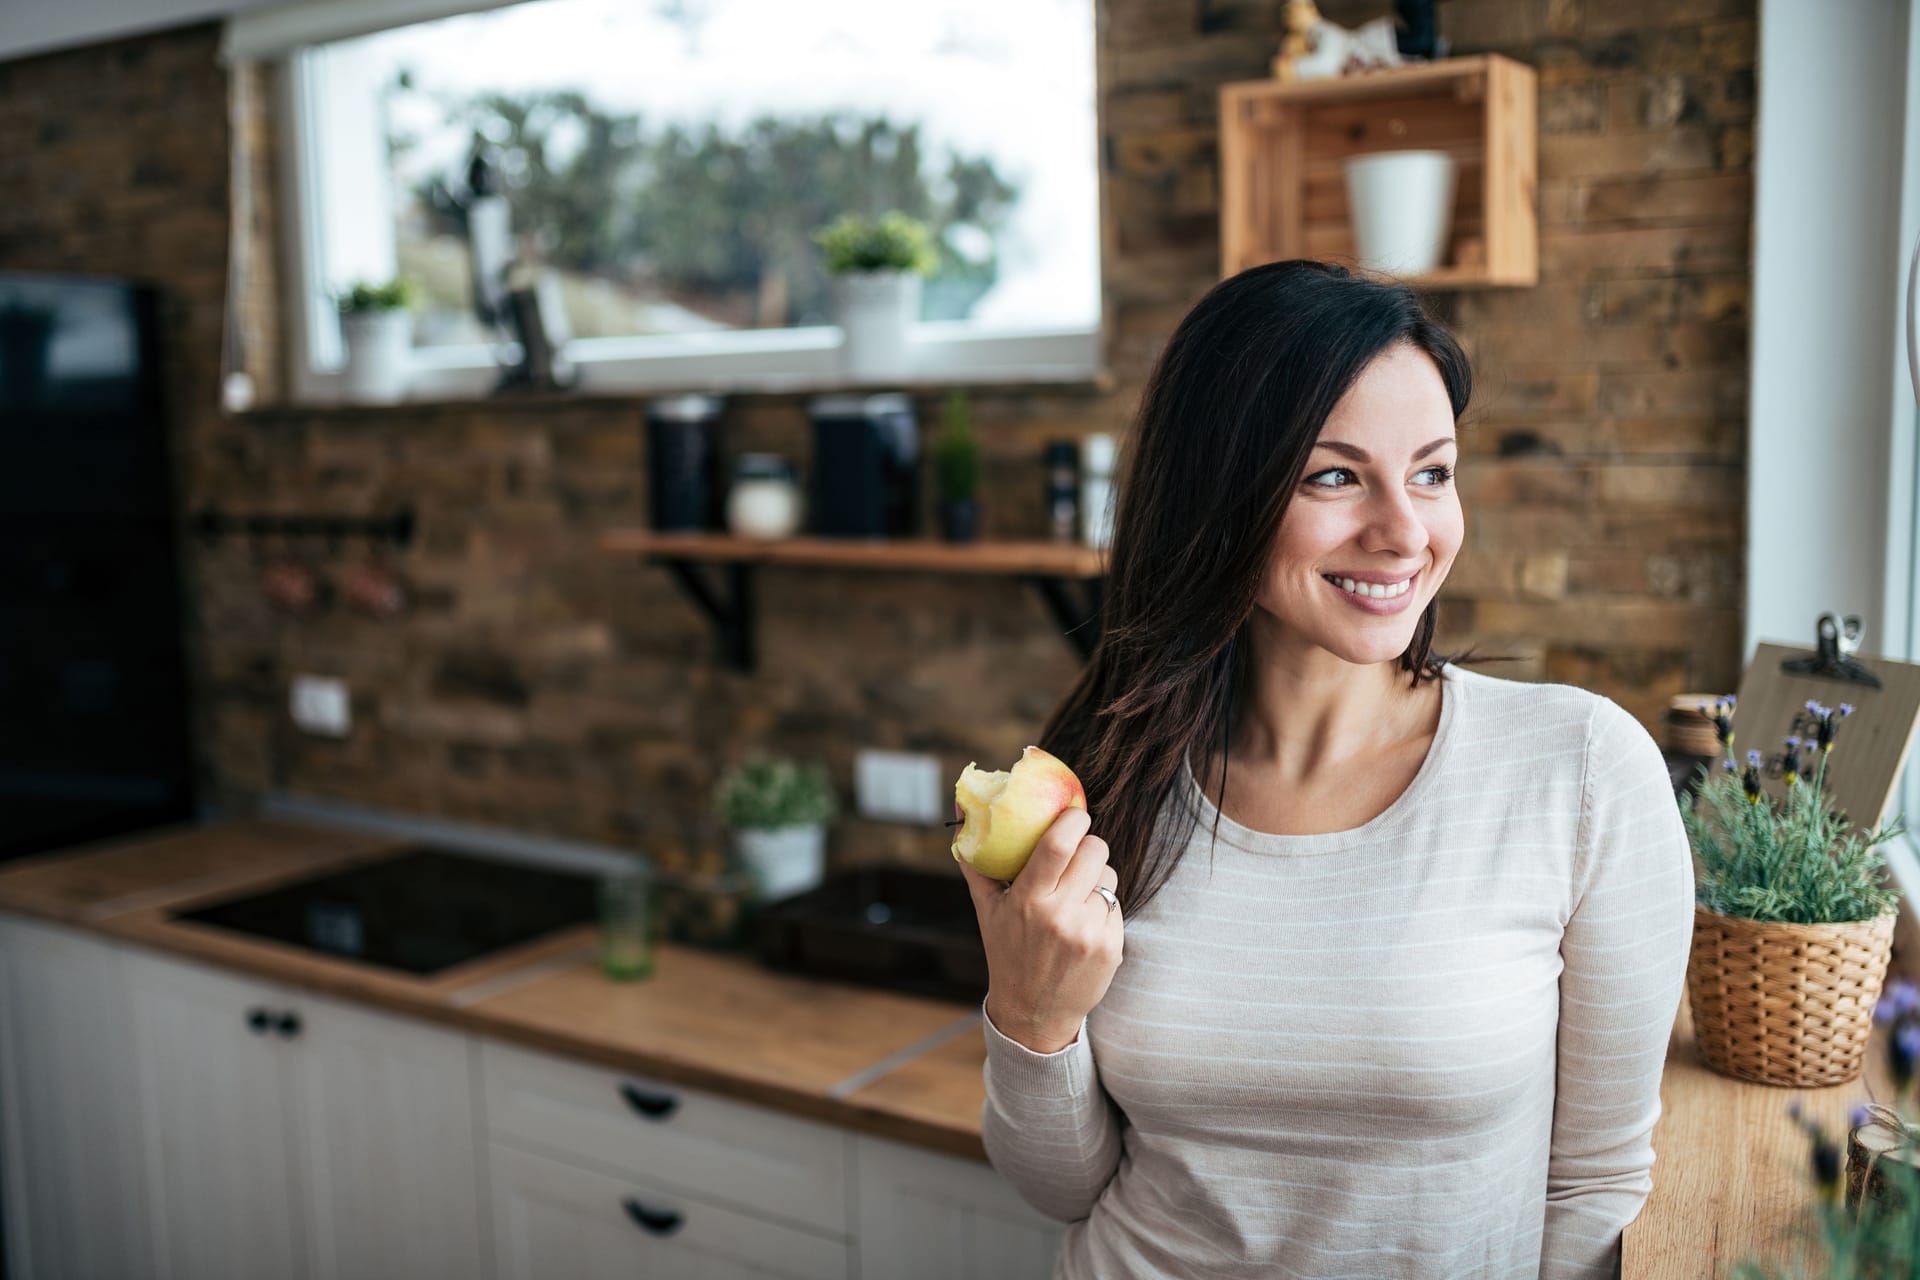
1053	944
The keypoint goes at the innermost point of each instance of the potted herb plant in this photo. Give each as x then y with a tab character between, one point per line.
376	327
877	265
778	811
1792	924
956	457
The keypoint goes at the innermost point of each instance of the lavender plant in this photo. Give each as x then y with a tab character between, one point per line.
1878	1239
1797	860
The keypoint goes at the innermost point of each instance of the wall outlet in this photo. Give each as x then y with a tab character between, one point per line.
900	786
319	705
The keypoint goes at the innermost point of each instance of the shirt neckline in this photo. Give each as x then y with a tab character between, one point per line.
1269	842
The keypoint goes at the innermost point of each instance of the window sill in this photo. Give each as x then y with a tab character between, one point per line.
1083	385
788	362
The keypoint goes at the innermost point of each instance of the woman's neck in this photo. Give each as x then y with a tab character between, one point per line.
1310	715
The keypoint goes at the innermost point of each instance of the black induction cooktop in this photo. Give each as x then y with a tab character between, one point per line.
421	911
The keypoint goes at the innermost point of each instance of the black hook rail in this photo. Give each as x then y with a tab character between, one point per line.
396	528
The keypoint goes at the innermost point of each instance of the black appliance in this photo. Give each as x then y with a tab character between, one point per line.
93	690
420	911
879	926
866	453
683	475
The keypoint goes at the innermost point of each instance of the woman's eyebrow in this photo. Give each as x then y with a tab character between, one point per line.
1360	455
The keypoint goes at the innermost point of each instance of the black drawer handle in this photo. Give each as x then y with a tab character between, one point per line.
288	1026
659	1222
259	1021
654	1106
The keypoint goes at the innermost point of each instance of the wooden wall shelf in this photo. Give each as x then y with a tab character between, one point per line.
1282	146
1068	577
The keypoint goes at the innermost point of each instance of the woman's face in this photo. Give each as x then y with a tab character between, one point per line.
1374	527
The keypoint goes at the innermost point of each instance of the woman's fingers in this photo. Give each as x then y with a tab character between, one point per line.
1054	855
1089	860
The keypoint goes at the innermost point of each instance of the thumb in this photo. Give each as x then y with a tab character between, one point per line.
985	890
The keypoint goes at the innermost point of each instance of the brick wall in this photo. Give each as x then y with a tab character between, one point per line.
541	684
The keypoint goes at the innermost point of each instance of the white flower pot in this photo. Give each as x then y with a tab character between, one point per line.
379	355
785	860
1401	203
876	310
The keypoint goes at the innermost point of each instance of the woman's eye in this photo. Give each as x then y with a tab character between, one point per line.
1342	477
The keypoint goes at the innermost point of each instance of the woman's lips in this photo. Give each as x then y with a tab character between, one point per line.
1377	606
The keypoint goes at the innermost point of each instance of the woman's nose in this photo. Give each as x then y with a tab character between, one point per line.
1393	525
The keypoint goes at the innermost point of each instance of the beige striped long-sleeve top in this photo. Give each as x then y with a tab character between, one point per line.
1429	1046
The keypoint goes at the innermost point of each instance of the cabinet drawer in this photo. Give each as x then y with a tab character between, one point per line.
759	1160
552	1219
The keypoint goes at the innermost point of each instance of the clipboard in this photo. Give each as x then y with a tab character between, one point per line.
1871	746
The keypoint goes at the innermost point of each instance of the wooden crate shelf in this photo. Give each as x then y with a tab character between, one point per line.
1282	148
1068	577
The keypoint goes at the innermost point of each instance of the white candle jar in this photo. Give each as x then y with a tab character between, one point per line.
764	501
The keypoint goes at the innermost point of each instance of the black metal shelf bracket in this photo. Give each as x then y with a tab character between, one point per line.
731	614
731	610
1076	612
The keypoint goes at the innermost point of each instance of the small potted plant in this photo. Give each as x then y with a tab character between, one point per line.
956	457
1792	923
778	811
376	327
876	264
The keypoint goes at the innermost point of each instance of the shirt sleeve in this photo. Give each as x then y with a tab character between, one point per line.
1624	963
1048	1126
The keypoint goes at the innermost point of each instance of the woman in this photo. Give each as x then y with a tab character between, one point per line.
1403	942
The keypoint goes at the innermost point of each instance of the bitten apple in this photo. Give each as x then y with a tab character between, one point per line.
1005	813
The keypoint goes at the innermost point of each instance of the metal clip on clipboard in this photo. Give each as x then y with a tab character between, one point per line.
1837	640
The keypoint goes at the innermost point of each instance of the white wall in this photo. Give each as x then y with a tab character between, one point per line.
1831	418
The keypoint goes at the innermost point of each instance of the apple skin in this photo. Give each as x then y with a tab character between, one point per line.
1000	831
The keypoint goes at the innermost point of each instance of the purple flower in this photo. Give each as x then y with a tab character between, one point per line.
1846	708
1902	1051
1858	1116
1897	999
1753	758
1814	708
1794	1108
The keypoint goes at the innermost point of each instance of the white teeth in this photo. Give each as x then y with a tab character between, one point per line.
1372	591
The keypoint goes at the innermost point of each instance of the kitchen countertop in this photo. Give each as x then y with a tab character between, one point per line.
1729	1177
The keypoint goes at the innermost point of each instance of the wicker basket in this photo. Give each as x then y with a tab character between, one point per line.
1785	1004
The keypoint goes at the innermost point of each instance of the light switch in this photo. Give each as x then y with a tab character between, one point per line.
319	705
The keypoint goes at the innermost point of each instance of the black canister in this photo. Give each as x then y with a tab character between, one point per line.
683	446
866	454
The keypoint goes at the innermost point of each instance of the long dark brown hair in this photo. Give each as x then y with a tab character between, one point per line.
1226	421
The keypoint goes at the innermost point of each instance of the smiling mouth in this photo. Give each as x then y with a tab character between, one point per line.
1372	591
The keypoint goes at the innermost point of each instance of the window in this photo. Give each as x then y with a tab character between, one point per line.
666	163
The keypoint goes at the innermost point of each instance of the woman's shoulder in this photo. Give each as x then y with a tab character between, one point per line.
1544	715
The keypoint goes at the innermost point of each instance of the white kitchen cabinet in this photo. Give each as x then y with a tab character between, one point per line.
938	1217
217	1109
389	1146
291	1136
555	1218
70	1160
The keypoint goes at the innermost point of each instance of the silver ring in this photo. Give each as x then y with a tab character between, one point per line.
1113	900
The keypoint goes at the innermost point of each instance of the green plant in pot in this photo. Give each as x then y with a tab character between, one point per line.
1792	923
778	811
877	265
376	329
956	460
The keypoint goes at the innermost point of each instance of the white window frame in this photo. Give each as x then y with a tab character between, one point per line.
1832	407
760	360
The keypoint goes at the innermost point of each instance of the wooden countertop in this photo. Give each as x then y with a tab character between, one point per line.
1730	1177
706	1020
